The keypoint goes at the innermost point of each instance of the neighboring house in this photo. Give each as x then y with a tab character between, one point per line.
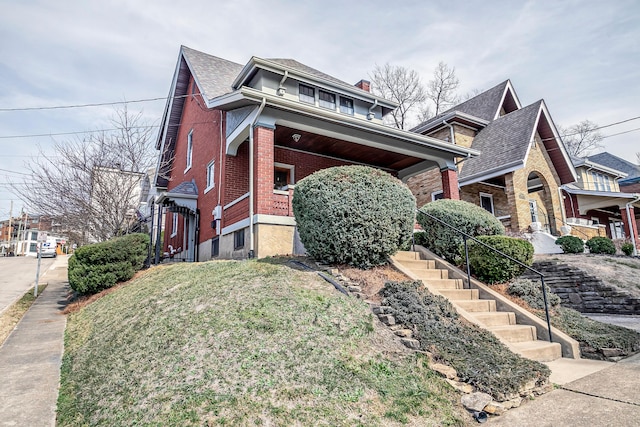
596	204
234	139
629	184
522	165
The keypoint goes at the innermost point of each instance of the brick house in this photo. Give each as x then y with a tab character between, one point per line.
601	201
234	139
522	165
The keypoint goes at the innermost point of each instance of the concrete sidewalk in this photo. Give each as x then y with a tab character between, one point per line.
31	356
609	397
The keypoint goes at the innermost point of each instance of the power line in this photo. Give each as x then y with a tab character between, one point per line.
95	104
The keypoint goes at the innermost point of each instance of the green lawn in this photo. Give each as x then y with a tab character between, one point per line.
242	343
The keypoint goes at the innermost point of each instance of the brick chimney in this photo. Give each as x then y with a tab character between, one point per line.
364	85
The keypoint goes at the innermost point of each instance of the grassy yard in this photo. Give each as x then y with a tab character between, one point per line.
242	343
12	315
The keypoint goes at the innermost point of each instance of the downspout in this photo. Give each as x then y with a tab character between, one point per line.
251	195
453	137
371	114
633	238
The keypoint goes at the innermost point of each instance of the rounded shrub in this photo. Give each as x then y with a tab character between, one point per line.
570	244
627	248
96	267
491	267
353	215
601	245
463	216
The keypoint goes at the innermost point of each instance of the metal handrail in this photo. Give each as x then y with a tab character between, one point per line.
466	236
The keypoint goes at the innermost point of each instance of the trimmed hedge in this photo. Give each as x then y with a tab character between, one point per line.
464	216
491	267
96	267
570	244
627	248
477	355
353	215
601	245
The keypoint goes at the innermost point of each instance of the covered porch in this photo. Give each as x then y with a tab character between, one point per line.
286	146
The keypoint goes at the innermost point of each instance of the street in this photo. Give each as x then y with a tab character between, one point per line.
17	275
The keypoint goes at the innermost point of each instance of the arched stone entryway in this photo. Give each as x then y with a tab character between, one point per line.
540	201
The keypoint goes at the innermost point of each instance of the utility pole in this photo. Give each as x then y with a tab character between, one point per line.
10	227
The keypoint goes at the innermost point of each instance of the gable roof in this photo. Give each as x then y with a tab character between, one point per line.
213	75
485	106
504	143
614	162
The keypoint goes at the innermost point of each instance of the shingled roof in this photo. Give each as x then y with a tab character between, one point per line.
485	106
214	75
614	162
503	143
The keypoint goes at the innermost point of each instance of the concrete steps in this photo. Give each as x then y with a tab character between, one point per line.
522	339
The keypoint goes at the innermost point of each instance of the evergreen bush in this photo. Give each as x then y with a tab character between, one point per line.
99	266
353	215
491	267
477	355
570	244
463	216
627	248
601	245
531	293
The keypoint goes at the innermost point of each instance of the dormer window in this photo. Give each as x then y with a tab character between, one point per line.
327	99
346	105
307	94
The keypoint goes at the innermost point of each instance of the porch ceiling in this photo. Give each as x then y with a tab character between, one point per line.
333	147
591	202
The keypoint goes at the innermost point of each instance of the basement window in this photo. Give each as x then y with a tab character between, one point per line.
238	239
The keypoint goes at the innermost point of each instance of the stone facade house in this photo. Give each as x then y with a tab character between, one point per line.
235	138
522	165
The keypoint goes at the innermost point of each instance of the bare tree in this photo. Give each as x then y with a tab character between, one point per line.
92	184
441	90
401	85
581	139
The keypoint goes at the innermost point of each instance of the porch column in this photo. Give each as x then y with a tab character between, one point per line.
450	186
263	137
630	228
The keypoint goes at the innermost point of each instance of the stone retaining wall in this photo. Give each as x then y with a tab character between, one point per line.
583	292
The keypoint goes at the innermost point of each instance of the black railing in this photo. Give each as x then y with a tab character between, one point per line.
466	237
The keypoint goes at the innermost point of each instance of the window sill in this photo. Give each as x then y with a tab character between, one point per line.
206	190
173	234
187	169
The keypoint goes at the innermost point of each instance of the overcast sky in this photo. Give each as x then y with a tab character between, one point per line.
582	57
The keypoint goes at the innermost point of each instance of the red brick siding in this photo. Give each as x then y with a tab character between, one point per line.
206	126
236	213
236	174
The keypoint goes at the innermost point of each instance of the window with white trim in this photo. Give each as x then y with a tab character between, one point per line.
437	195
327	99
189	150
346	105
307	94
211	169
486	202
174	224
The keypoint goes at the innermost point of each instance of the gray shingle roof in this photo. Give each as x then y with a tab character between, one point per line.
292	63
484	105
614	162
214	75
185	187
503	142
